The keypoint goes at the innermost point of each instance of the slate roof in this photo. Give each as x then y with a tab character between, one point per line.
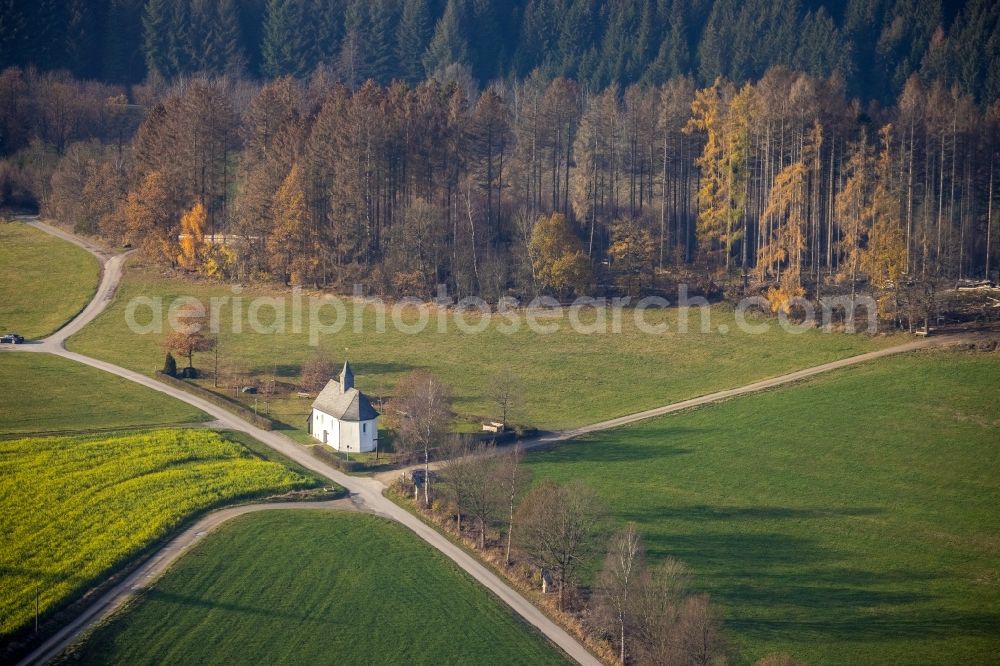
347	377
349	405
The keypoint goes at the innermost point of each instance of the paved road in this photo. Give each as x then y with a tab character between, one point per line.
366	493
718	396
151	569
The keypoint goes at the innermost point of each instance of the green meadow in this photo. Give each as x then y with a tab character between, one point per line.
311	587
73	509
44	281
42	393
569	378
851	519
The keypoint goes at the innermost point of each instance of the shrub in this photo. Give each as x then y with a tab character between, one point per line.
316	372
331	457
170	365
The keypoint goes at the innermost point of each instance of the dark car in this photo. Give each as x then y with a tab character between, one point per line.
11	339
418	476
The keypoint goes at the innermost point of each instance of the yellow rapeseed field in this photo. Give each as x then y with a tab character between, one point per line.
73	509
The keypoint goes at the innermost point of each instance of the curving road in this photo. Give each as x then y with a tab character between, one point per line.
366	493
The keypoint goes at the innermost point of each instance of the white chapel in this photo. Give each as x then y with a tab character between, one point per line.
343	417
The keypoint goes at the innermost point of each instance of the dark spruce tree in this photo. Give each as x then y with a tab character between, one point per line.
379	48
449	45
412	39
179	46
326	30
228	39
283	50
155	44
122	45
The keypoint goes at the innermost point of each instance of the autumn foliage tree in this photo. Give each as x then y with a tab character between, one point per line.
632	251
853	208
557	255
188	336
192	237
317	372
149	219
783	229
292	244
884	257
721	189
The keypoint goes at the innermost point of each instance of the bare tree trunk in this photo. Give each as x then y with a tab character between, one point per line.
510	529
989	222
663	197
427	475
909	201
621	648
940	215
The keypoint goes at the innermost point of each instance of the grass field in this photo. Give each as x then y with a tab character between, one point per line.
74	509
44	281
43	393
569	378
848	520
310	587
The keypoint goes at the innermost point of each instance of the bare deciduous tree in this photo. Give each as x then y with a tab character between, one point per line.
475	476
618	581
316	372
674	627
514	480
699	637
421	412
505	392
560	529
486	500
458	474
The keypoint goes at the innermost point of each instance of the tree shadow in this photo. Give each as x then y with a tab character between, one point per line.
285	370
791	586
364	367
171	598
599	450
862	625
704	512
621	452
43	578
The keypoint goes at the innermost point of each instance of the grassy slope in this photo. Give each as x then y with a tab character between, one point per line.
851	519
44	281
43	393
570	379
73	509
315	587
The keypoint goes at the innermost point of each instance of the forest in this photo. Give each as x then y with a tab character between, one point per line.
875	45
504	175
